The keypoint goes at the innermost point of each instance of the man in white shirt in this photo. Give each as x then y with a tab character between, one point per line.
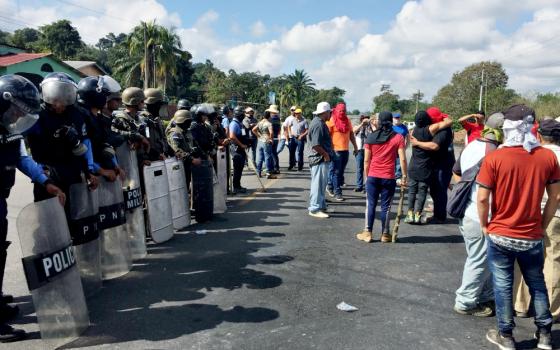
290	139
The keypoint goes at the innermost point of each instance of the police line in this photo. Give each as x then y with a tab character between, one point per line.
66	260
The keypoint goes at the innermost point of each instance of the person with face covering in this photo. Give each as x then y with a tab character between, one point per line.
421	164
381	150
516	177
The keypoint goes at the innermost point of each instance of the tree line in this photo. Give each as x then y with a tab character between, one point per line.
151	55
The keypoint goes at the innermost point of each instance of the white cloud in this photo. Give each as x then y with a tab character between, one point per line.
258	29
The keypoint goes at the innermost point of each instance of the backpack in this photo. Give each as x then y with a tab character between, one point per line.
460	197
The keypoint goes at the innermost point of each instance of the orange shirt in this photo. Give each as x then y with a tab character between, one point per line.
340	140
518	180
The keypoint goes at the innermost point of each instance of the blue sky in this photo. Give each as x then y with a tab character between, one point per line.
355	45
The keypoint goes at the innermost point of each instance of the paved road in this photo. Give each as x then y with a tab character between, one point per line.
268	276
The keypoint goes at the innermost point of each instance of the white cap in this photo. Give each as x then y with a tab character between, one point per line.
322	107
248	109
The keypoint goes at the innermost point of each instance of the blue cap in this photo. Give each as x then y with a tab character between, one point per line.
396	115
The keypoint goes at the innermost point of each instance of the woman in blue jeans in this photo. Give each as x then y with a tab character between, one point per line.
381	150
263	131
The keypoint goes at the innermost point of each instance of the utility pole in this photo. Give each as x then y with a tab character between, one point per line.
481	88
485	95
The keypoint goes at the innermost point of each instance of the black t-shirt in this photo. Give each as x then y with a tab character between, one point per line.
422	161
445	156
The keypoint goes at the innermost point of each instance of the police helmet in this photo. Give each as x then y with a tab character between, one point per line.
205	109
183	104
94	91
19	103
239	111
59	89
133	96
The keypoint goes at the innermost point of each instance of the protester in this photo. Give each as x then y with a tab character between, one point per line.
299	129
249	122
444	159
289	137
276	135
549	137
319	159
381	150
475	296
421	164
402	129
263	131
361	131
516	176
340	128
473	124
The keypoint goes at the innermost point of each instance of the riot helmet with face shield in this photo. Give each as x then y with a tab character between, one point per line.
19	103
59	91
94	91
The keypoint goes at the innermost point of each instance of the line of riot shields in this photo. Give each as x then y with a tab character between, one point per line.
68	255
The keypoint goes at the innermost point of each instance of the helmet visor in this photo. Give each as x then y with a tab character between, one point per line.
18	119
57	92
110	84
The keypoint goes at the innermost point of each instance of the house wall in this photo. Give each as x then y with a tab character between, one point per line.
34	67
91	71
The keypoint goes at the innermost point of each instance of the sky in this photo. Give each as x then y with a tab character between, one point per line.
352	44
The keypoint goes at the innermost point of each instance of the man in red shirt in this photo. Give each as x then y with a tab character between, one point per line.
516	177
473	124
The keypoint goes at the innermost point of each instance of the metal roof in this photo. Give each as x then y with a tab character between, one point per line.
11	59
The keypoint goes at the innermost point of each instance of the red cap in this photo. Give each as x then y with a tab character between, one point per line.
435	114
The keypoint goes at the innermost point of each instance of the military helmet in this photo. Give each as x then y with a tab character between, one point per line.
133	96
181	116
154	96
183	104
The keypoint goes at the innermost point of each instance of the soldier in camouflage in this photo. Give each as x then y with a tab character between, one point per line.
180	140
156	109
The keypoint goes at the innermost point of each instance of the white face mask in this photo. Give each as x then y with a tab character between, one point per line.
397	121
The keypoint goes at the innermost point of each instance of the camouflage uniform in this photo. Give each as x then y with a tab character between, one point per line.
180	142
158	142
132	128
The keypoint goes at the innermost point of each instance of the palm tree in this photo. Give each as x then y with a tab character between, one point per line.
167	53
301	84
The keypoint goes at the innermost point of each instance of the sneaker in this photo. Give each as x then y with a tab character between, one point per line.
329	191
239	190
8	312
9	334
478	311
409	219
504	343
418	218
328	210
277	171
319	214
344	185
386	238
365	236
339	198
270	176
544	340
358	189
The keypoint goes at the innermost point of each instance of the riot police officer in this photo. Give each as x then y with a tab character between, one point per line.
59	140
202	137
180	140
92	97
130	126
238	136
19	103
156	109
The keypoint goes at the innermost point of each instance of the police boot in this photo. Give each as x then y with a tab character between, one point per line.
7	312
9	334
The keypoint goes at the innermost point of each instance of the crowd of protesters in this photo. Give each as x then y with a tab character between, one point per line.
506	195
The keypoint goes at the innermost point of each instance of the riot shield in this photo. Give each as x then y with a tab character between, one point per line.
203	192
221	165
51	272
157	199
135	225
116	256
220	206
84	209
178	194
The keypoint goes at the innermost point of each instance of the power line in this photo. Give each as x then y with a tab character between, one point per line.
103	13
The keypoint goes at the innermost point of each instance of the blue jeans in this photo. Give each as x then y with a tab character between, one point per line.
398	170
280	146
319	175
336	171
299	153
376	188
264	155
360	170
292	146
275	159
253	146
476	286
531	262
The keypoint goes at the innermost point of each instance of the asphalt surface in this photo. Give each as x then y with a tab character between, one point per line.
268	276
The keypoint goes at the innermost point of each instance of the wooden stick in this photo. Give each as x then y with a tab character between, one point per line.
399	214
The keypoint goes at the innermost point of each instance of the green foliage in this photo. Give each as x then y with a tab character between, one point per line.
355	112
61	38
543	104
5	37
386	101
26	38
461	95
